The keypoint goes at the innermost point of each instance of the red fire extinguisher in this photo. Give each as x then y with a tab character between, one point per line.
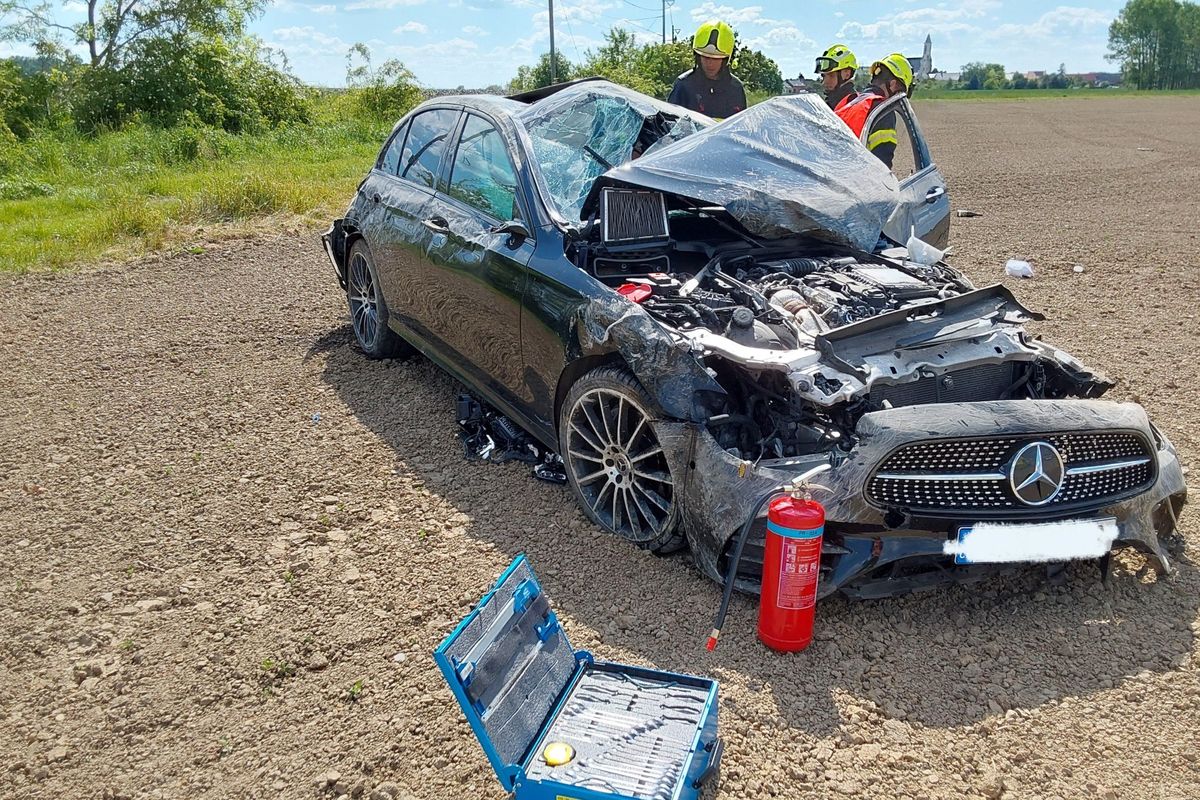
791	564
795	525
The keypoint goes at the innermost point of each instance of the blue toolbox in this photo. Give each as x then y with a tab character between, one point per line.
558	725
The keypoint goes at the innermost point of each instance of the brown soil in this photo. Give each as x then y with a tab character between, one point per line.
228	543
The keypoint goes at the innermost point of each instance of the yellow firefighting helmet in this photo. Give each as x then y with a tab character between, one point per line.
836	58
898	66
713	39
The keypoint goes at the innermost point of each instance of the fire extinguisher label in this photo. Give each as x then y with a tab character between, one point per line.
798	570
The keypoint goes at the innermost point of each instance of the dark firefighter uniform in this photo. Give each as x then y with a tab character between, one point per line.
844	91
718	98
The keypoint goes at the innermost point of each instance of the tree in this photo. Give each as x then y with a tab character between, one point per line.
978	75
620	60
113	26
758	72
1157	43
386	92
537	76
663	63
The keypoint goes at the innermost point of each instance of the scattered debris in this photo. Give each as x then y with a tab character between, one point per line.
962	212
922	252
1145	149
1019	269
488	435
1078	268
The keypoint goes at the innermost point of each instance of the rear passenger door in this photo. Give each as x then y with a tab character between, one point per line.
924	206
472	292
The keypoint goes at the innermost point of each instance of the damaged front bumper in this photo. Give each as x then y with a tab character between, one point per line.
334	241
876	550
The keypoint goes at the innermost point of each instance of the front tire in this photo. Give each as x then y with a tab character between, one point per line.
368	310
614	462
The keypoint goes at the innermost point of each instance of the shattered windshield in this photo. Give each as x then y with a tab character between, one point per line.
581	132
782	167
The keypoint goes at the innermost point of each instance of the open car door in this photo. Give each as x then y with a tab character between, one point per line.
924	206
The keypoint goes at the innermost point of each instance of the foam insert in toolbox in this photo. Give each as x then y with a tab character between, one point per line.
632	736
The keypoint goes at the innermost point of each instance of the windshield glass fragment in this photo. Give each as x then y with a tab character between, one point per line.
581	132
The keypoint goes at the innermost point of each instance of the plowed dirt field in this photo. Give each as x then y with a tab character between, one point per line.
229	543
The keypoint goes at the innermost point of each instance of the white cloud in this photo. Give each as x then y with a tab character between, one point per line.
916	23
412	26
746	15
583	13
75	7
296	5
1062	21
382	4
474	30
786	36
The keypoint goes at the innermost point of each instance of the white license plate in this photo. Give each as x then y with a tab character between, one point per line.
1006	543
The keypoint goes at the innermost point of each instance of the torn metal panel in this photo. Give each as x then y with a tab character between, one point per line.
783	167
661	361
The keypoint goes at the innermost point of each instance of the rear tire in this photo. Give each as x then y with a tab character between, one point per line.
368	309
614	462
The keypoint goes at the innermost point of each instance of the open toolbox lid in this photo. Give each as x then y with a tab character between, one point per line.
507	663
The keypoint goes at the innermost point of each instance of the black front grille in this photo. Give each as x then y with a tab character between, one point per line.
954	477
973	384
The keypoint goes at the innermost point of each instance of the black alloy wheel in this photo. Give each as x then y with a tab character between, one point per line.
615	463
368	310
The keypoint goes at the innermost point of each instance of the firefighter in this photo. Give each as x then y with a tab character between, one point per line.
837	66
710	87
890	76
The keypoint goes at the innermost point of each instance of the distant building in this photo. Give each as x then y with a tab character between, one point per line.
922	66
796	85
945	77
1098	79
1035	75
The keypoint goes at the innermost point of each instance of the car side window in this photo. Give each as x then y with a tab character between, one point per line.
389	159
483	174
895	128
421	159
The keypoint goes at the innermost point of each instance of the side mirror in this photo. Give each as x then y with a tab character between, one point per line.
516	230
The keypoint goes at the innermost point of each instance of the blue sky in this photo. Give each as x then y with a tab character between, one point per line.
448	43
474	43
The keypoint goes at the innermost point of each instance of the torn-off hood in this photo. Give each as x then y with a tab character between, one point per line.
783	167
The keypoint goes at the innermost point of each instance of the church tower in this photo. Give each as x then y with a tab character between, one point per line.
926	58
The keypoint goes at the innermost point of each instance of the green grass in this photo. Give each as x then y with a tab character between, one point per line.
927	93
68	199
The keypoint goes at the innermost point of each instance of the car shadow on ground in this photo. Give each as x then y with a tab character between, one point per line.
948	657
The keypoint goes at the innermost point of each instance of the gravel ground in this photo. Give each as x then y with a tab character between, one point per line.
228	543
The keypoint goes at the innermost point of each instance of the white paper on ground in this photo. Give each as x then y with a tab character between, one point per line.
1018	269
1001	543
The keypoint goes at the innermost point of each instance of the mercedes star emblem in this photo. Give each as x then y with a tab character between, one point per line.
1036	473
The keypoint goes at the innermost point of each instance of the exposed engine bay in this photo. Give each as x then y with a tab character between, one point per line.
806	336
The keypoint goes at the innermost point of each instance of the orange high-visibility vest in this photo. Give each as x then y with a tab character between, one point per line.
855	109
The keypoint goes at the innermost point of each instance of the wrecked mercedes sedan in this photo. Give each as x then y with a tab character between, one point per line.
693	313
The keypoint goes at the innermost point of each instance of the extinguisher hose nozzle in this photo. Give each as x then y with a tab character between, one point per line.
712	640
734	561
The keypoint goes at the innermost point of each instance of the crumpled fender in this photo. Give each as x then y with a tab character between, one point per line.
664	364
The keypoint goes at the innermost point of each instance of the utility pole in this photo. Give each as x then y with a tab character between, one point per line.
664	6
553	57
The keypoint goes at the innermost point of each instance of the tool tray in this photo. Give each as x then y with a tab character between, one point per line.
636	734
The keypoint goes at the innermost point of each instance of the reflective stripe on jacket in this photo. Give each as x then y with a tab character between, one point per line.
854	112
